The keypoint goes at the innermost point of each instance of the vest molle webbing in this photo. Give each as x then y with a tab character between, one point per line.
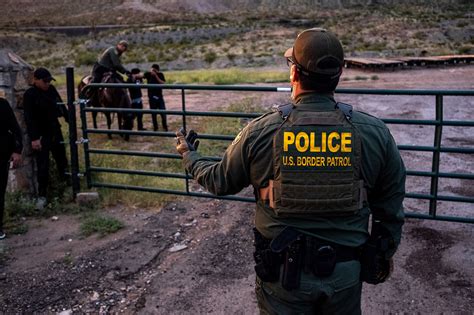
317	165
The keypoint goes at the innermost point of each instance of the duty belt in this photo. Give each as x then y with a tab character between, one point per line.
298	252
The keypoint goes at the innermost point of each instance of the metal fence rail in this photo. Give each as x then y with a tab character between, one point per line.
436	149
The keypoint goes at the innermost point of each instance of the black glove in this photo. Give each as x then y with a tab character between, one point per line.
186	143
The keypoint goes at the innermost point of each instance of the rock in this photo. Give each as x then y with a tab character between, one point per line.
87	198
95	296
177	248
191	223
40	203
65	312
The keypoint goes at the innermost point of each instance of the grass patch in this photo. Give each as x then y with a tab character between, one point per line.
226	76
137	198
85	58
17	204
208	125
61	80
96	223
68	259
18	228
207	76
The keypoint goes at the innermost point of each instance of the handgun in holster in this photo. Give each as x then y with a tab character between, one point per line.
375	267
267	263
291	243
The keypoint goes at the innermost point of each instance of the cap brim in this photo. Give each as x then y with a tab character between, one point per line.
288	53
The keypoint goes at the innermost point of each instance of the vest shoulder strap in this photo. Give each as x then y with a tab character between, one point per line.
346	109
284	109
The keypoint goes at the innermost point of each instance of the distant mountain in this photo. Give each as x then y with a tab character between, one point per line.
95	12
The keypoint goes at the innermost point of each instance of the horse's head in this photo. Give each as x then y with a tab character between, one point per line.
117	97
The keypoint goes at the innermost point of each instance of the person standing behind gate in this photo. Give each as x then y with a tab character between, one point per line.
319	170
155	96
136	95
41	107
10	150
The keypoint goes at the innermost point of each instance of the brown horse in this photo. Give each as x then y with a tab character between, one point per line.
110	98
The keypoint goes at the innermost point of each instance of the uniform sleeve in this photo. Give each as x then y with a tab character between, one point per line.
29	108
12	125
230	175
117	65
387	200
16	131
62	109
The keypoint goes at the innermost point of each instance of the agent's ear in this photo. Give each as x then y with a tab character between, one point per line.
294	76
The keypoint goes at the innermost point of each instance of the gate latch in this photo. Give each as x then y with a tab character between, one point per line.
82	141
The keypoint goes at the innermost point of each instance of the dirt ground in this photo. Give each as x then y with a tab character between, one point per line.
194	256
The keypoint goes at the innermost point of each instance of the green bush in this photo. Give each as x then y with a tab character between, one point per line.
210	57
95	223
152	57
420	35
85	58
465	49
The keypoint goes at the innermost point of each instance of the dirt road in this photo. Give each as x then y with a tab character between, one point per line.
194	256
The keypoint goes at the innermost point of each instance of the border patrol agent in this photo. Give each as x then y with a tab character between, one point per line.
109	60
319	169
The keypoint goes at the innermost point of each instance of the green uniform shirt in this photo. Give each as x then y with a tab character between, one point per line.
249	161
111	59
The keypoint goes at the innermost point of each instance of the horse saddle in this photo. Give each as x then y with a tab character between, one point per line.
87	79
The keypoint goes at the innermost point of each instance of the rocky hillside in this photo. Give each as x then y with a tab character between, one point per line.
195	34
91	12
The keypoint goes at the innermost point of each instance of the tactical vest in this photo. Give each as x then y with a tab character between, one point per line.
317	164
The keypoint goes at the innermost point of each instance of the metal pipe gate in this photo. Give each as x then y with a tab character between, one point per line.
439	122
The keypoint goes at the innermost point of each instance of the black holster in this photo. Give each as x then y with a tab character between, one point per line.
375	267
267	263
292	265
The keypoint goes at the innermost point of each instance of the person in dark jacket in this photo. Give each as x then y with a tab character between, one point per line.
136	77
10	150
41	107
155	96
110	61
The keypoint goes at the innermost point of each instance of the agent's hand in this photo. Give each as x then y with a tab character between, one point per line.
36	145
16	160
186	143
